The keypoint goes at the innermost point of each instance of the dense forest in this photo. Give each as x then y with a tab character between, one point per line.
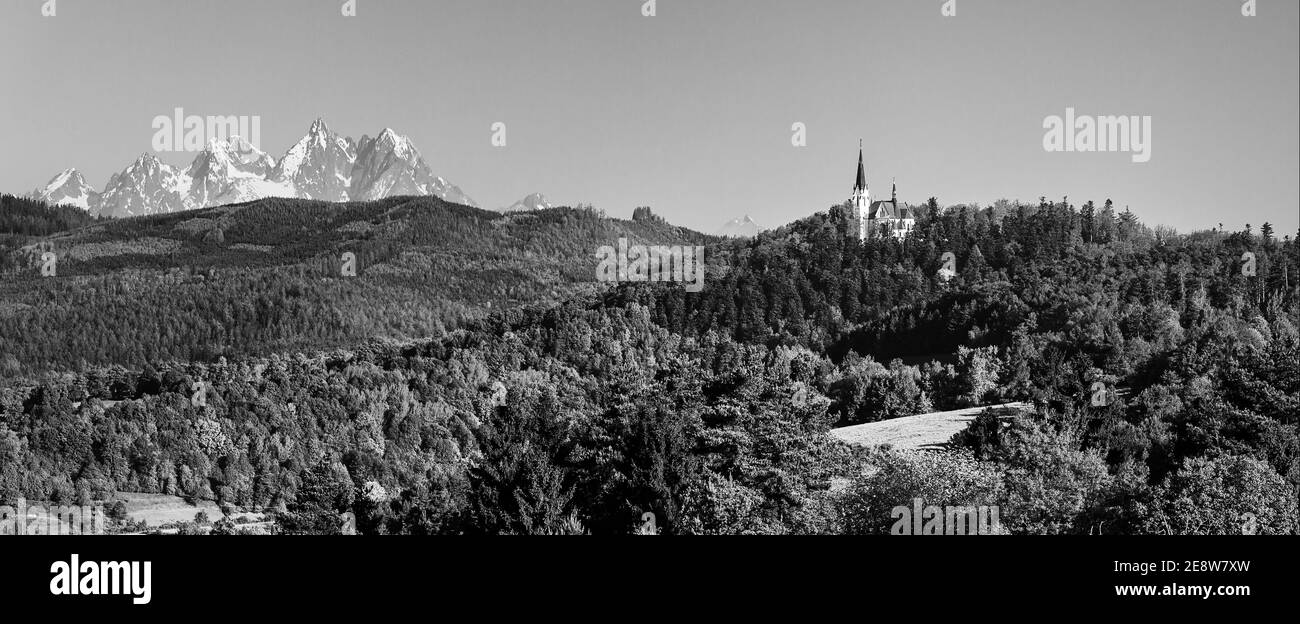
22	217
1164	371
268	277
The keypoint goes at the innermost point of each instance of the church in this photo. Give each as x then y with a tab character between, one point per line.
880	218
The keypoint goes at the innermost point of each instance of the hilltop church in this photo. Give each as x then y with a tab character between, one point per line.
881	218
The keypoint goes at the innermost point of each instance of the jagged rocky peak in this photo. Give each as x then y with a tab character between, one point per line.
69	188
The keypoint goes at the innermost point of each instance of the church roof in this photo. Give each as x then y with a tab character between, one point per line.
862	174
889	209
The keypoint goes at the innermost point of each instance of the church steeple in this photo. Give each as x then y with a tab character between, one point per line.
862	171
860	203
893	195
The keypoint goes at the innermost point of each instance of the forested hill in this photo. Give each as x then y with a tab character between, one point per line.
268	276
1051	267
1164	376
1043	302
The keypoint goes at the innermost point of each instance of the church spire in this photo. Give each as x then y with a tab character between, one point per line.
894	194
862	171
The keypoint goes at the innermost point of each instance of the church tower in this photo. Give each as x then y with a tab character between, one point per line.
860	202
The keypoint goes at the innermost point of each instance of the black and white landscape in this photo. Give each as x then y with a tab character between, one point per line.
953	319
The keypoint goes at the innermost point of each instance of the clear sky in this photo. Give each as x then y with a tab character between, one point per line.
690	111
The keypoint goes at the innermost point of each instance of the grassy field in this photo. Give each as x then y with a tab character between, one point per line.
921	432
161	509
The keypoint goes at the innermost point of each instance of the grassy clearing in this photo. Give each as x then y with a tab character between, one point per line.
161	509
921	432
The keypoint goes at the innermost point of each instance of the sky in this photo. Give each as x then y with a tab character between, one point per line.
690	111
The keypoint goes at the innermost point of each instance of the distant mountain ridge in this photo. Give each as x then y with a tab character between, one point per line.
322	166
743	227
536	201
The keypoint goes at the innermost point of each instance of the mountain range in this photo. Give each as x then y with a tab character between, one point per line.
322	166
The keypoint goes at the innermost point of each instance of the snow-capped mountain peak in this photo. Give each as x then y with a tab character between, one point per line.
147	186
227	172
389	164
70	188
397	144
319	165
744	227
147	163
238	156
65	176
536	201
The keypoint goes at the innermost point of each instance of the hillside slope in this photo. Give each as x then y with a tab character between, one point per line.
269	276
